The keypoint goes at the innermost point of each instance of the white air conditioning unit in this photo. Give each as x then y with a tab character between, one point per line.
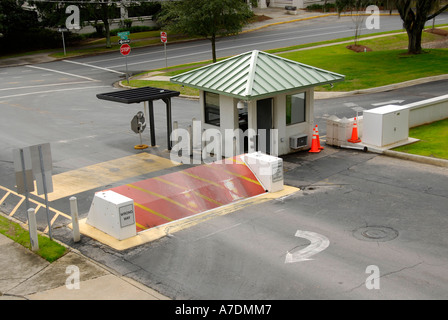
298	141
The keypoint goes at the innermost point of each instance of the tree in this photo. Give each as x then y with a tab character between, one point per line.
205	18
14	19
414	15
52	14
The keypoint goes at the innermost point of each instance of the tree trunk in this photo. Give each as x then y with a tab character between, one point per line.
107	30
415	40
213	40
105	18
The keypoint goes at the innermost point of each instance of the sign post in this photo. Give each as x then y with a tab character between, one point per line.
34	163
164	39
62	30
125	49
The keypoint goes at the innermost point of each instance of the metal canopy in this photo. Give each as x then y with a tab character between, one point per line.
138	95
256	75
147	95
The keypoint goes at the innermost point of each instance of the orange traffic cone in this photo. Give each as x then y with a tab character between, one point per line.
314	146
354	138
318	139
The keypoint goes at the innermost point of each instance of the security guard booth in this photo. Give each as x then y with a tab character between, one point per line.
257	92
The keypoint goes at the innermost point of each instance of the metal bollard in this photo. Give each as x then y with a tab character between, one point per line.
75	222
33	229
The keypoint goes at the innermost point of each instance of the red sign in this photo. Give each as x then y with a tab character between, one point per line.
125	49
163	37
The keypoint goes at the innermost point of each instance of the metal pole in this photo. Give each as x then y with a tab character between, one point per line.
45	190
27	201
166	62
22	159
127	77
63	42
151	123
169	127
75	222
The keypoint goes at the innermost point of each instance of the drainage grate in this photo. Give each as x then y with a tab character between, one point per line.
375	233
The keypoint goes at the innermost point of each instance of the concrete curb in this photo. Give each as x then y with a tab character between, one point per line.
405	84
416	158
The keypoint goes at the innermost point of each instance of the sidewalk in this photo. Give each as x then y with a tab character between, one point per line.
26	276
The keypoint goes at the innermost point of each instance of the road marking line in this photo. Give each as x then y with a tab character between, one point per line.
161	197
38	204
61	72
5	196
153	212
234	174
203	179
193	191
13	211
318	244
50	91
92	66
44	85
140	226
51	222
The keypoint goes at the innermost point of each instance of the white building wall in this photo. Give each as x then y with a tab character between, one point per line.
229	119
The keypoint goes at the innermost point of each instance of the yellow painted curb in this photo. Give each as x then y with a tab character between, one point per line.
178	225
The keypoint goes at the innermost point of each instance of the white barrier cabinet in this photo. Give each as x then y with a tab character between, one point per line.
386	125
268	170
113	214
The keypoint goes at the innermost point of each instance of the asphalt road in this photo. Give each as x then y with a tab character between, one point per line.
242	255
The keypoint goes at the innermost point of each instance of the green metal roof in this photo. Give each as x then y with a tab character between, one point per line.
254	75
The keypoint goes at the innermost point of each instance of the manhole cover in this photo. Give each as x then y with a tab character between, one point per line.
375	233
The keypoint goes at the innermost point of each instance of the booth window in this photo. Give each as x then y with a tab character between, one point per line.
295	108
211	103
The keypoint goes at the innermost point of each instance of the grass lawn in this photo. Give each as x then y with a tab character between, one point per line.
48	249
433	140
163	85
387	63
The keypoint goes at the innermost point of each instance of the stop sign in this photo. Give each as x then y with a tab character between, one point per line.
163	36
125	49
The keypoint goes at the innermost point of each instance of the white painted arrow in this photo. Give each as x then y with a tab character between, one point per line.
318	244
387	102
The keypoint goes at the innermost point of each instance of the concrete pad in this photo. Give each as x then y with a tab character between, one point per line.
106	287
91	177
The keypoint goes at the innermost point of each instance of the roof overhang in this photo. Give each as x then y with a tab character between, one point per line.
256	75
138	95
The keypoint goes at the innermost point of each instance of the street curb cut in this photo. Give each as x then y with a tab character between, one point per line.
416	158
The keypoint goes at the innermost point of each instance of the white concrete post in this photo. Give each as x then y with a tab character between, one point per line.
33	229
75	222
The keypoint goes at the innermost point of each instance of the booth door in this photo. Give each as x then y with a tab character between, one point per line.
264	122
